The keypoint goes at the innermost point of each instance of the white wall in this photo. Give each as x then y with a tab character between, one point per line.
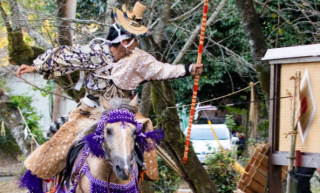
41	103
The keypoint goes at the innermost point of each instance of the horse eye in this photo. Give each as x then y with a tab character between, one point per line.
109	131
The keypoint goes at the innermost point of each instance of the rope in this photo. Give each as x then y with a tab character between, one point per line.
216	98
28	128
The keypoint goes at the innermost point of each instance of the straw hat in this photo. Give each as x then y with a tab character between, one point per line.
127	20
136	12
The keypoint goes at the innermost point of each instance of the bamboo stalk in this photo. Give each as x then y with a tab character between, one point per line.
293	136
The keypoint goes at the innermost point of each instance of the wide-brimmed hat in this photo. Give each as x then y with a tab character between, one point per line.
136	12
127	20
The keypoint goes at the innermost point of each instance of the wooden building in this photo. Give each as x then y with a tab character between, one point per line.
284	63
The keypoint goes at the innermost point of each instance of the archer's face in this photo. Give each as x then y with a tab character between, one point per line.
132	46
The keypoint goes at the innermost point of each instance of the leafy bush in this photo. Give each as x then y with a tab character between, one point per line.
30	114
231	124
223	170
168	179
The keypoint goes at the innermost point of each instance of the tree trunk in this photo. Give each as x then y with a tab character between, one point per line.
193	172
14	122
159	31
108	20
67	9
64	31
19	51
64	38
258	46
145	104
162	97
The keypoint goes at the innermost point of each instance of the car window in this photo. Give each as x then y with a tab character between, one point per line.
206	134
218	120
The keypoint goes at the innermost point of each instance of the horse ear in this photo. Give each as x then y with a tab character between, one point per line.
147	124
104	102
134	101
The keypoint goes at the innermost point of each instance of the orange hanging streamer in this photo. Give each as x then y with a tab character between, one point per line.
196	80
53	190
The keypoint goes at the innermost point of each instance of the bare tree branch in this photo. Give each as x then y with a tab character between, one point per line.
151	14
15	16
5	18
186	14
228	51
108	20
195	32
164	19
34	85
82	21
41	41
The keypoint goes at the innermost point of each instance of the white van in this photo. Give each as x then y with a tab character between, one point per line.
202	138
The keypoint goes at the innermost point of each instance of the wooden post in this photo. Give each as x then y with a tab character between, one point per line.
274	173
293	135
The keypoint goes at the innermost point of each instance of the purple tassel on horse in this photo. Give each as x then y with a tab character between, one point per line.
31	182
147	141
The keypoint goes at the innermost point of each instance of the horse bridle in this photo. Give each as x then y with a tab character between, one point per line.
104	147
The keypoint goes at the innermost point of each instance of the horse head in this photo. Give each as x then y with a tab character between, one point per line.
119	132
111	140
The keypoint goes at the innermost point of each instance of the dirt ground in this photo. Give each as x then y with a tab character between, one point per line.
11	169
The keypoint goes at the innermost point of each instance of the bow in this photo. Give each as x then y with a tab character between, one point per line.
196	80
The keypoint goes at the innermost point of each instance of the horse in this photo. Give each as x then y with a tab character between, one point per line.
108	155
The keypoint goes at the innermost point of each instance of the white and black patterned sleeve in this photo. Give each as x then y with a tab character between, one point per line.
64	60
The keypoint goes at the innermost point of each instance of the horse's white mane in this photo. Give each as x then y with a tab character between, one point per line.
115	103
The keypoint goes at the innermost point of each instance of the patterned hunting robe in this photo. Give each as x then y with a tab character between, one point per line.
103	76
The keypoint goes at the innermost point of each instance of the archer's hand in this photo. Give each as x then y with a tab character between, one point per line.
25	69
196	69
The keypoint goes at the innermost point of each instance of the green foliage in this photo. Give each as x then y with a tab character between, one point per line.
223	171
230	122
3	85
30	114
263	128
168	180
50	86
236	111
92	9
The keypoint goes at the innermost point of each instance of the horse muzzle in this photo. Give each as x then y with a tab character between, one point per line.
123	171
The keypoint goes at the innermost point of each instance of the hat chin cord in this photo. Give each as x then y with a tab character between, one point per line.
118	39
121	38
